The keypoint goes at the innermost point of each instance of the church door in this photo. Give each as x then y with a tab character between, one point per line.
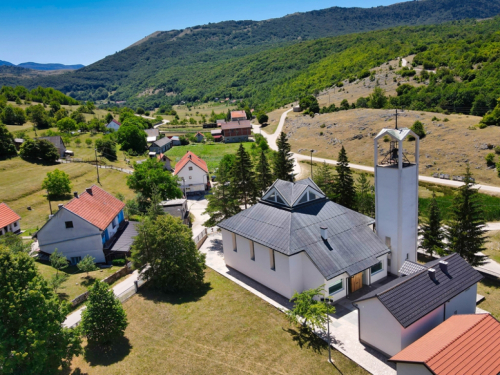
356	282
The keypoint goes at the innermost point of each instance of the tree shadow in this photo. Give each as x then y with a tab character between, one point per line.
88	281
306	338
70	371
157	296
63	296
107	355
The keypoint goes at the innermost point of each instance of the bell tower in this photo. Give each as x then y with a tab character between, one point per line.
396	196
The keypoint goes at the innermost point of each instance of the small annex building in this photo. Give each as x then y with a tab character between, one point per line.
462	345
192	172
199	137
236	131
403	310
152	135
166	162
160	146
296	239
114	125
85	225
9	220
238	116
177	208
58	143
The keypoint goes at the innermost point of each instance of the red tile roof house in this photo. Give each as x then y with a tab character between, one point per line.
236	131
464	344
192	172
9	220
238	116
88	224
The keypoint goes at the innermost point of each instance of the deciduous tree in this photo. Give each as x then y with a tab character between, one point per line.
66	124
130	137
87	264
7	147
58	260
309	310
57	183
166	246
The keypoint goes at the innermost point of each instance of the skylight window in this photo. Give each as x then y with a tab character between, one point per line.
303	199
279	200
312	196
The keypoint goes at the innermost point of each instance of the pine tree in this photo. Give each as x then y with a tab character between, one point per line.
104	319
222	203
283	161
324	179
431	231
465	232
365	197
343	186
243	178
264	176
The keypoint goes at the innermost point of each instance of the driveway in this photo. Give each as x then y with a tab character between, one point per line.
197	205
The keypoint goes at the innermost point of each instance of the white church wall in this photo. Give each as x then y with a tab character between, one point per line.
381	274
415	331
464	303
409	223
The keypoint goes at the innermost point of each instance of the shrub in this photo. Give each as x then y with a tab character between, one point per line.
119	262
490	159
497	150
418	129
322	126
435	119
446	119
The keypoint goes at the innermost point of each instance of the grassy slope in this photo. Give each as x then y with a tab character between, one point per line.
226	330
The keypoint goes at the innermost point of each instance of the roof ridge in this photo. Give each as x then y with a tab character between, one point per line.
457	337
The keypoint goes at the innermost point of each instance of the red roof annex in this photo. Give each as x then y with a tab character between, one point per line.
463	344
96	206
7	216
190	157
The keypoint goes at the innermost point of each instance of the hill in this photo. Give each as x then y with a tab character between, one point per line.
37	66
237	59
5	63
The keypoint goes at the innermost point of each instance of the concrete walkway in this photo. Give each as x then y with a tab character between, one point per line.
73	319
344	323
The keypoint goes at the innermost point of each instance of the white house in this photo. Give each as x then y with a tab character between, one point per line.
114	125
296	239
9	220
403	310
193	174
463	344
85	225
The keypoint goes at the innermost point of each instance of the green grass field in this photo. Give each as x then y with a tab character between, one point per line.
21	186
211	153
77	282
222	330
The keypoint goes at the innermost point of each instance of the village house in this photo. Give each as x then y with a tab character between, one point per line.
18	142
192	172
152	135
160	146
463	344
166	162
9	220
199	137
176	141
238	116
217	134
114	125
89	224
177	208
296	239
58	143
220	122
236	131
403	310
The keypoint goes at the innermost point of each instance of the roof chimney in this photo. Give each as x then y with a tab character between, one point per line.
60	205
324	233
75	194
432	273
444	266
89	190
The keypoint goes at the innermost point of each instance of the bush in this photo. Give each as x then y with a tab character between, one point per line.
497	150
435	119
490	159
418	129
446	119
119	262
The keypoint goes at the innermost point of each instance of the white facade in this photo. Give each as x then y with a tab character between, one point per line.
412	369
195	178
379	329
15	227
81	239
290	274
396	201
113	125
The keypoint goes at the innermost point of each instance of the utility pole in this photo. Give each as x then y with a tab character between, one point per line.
97	166
396	119
312	164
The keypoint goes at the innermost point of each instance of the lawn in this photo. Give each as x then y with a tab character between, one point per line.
211	153
490	289
21	187
77	282
223	330
198	110
493	246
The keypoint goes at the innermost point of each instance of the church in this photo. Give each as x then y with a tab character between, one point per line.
296	239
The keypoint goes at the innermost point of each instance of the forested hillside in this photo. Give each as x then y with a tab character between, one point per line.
272	62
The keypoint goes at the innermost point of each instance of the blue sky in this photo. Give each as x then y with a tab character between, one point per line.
82	32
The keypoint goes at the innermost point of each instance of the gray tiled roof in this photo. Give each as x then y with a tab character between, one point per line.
56	140
351	245
161	142
412	297
410	267
291	191
125	239
152	132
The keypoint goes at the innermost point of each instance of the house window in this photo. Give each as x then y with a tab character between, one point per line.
252	251
303	199
115	221
376	268
69	224
190	168
190	177
388	242
312	196
337	287
279	200
235	246
271	257
75	260
15	224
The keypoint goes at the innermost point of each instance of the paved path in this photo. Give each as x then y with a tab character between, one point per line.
197	205
74	318
344	323
271	138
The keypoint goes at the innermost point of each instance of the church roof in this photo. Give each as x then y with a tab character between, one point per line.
351	246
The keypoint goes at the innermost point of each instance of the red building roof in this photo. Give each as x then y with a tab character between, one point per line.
238	114
243	124
7	216
190	157
96	206
463	344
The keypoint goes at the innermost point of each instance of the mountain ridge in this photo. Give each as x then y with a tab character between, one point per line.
43	66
